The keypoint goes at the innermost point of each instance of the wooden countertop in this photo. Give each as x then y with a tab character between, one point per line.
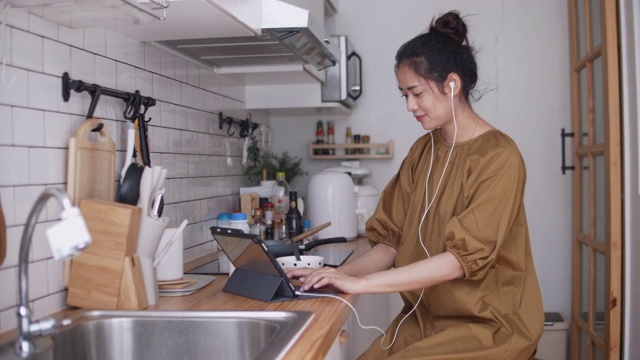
317	338
313	343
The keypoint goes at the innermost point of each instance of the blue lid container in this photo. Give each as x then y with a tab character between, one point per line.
238	216
224	216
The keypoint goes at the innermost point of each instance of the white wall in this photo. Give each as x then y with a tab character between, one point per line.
523	57
204	170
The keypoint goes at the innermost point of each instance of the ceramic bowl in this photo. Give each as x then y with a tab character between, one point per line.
309	261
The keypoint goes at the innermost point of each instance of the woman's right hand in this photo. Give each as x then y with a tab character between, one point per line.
327	276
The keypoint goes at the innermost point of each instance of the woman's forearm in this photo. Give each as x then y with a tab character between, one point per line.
422	274
378	258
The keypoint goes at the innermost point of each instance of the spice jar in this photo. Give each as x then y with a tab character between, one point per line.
357	140
365	140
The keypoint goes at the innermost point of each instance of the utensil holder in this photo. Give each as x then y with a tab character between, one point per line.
106	275
151	231
150	280
171	265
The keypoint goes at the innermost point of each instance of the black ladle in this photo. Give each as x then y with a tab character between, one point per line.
295	250
130	187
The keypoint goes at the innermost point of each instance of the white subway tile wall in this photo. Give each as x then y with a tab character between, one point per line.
203	162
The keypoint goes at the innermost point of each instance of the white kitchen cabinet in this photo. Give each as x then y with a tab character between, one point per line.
195	19
302	96
342	348
139	19
374	310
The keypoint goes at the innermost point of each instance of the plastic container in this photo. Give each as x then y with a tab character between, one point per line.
171	265
239	221
224	220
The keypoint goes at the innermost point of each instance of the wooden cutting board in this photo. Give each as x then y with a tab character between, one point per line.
91	165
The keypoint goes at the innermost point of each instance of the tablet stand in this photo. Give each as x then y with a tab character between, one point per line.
258	286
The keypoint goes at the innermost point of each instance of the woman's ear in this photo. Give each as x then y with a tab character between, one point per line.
454	84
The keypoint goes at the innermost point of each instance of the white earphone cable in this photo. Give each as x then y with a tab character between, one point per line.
428	204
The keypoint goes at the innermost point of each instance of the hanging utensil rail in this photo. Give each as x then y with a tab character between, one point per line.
96	91
247	127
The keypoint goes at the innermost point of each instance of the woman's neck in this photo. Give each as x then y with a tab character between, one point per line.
470	125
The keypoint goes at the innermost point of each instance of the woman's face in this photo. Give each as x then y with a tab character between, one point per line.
430	107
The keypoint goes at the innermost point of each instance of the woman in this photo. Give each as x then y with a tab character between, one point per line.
450	231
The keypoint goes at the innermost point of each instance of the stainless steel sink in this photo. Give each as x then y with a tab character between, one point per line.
172	335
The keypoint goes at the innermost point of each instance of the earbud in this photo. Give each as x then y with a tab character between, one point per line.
452	85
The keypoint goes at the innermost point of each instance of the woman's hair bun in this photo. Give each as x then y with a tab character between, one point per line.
452	25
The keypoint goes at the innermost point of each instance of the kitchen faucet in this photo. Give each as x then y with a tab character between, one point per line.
66	239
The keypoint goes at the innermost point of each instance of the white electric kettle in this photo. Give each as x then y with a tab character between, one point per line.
366	195
331	197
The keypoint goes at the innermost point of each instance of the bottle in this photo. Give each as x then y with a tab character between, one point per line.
319	138
268	231
306	226
348	140
280	195
282	231
268	212
330	137
259	222
294	218
268	219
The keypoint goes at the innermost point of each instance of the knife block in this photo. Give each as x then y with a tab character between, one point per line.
107	274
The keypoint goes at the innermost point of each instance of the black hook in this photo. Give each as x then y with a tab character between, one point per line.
225	120
147	103
244	128
129	108
254	126
229	121
95	97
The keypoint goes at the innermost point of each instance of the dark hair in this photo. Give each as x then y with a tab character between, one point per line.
444	49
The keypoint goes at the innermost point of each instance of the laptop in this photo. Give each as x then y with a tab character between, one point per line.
257	274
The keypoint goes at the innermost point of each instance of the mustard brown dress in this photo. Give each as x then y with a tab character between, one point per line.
495	311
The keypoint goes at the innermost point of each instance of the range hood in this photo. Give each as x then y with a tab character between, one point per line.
288	35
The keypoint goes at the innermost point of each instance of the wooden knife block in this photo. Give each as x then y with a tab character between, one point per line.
107	274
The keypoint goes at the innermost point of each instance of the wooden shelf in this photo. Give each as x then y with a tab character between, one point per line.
376	151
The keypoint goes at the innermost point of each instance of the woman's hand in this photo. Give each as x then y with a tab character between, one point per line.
327	276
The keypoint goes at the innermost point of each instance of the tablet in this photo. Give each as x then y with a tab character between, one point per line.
257	274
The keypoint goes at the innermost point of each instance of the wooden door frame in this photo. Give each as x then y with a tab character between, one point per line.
612	247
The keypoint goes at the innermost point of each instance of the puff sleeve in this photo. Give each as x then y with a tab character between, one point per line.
494	194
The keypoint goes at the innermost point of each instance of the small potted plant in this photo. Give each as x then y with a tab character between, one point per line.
272	162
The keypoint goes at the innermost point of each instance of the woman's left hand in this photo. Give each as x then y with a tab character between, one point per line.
324	277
